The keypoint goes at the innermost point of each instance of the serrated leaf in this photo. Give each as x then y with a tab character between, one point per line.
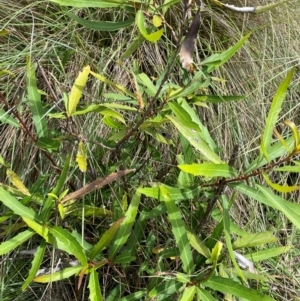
106	238
268	253
209	170
274	113
76	90
35	264
15	241
229	286
63	240
94	286
41	230
34	100
17	182
140	22
57	276
179	231
100	25
254	239
81	156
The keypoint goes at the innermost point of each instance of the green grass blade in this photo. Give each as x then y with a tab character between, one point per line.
34	101
35	264
14	242
228	286
125	229
64	240
94	286
274	113
179	231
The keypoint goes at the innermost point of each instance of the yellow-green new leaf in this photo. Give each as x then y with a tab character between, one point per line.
209	170
81	157
140	22
278	187
17	182
64	274
77	89
189	293
294	130
273	114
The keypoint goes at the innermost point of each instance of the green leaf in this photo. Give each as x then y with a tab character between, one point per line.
6	118
17	207
35	264
268	253
167	288
105	239
195	140
50	201
215	98
137	42
126	226
216	60
63	274
274	113
134	296
254	239
188	293
229	286
14	242
64	240
100	25
81	156
198	244
94	286
278	187
279	204
147	84
77	89
209	170
179	231
140	22
204	295
91	3
34	100
41	230
48	144
175	194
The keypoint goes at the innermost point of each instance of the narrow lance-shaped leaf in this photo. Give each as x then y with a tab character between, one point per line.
179	231
77	89
274	113
91	3
101	25
63	240
34	101
278	187
35	264
14	242
94	286
125	229
209	170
